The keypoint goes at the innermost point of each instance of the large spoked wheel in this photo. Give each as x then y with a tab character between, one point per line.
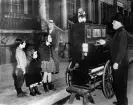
68	75
107	80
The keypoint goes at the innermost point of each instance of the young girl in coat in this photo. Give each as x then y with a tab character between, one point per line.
33	76
47	63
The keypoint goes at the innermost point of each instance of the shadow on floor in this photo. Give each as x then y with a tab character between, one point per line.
62	102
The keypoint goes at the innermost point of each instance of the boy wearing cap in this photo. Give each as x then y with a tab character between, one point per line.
120	61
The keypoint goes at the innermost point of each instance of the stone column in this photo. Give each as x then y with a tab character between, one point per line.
25	6
44	13
82	4
0	7
99	11
89	10
93	11
0	33
42	9
64	14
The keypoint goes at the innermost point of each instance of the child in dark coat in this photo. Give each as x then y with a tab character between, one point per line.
33	76
47	63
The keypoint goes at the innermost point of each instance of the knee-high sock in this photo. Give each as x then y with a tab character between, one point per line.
45	77
49	77
31	85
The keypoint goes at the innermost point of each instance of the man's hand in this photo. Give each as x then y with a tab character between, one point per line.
76	66
101	41
47	43
56	49
115	66
24	72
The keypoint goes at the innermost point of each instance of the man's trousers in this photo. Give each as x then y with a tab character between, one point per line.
120	78
56	60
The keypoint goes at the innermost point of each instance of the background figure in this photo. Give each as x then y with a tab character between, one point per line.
33	73
55	45
81	16
120	60
47	63
20	70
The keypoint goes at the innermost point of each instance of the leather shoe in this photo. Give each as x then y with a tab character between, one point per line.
22	91
55	72
21	95
36	90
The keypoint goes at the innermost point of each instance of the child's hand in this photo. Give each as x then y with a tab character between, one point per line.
56	49
115	66
76	66
24	72
47	43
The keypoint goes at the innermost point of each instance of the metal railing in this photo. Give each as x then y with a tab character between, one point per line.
70	23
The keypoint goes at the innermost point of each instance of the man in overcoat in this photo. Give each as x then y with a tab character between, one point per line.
120	62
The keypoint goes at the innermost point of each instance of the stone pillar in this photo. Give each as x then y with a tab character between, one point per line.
44	13
25	6
0	33
0	7
93	10
42	9
99	12
82	4
64	14
89	10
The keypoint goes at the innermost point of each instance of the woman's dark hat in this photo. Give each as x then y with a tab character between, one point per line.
118	17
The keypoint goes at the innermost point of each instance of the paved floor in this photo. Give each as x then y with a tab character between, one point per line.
8	93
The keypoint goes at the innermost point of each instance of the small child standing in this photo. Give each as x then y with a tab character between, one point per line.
33	76
47	63
18	74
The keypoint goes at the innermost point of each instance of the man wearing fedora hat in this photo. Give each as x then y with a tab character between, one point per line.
120	61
